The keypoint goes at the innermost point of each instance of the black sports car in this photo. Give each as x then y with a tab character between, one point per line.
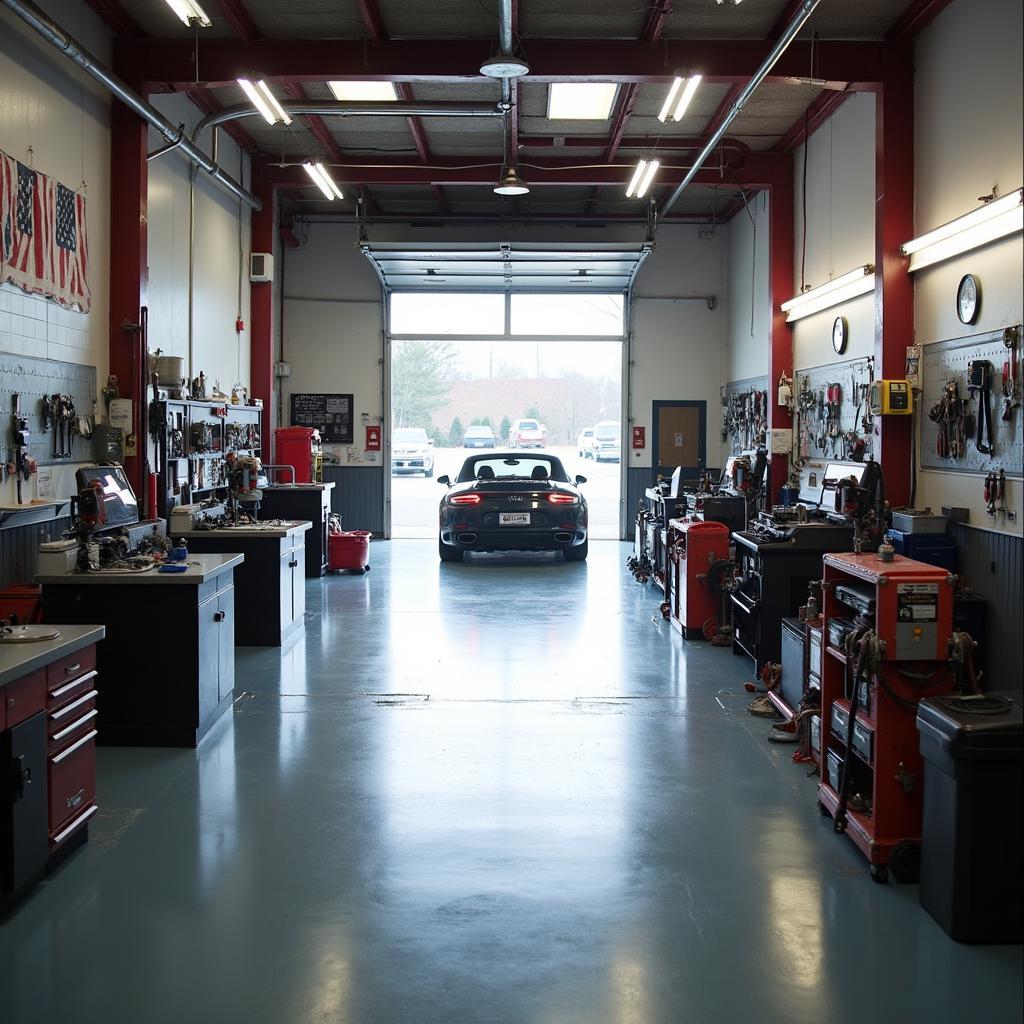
511	501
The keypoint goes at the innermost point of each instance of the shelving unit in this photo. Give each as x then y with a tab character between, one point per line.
913	619
192	439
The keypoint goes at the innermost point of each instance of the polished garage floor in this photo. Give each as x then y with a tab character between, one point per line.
491	792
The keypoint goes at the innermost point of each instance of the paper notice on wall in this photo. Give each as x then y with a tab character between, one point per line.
121	414
679	439
44	483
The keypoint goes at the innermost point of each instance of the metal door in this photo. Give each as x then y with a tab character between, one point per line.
680	439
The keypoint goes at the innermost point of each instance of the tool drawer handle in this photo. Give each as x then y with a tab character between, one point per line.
74	704
74	746
73	685
72	668
74	725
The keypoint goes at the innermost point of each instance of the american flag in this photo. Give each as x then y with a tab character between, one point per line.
43	243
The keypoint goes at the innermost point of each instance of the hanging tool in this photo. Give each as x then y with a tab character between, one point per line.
1011	374
21	439
979	385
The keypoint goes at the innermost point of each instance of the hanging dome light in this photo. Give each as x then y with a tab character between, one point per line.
504	65
510	184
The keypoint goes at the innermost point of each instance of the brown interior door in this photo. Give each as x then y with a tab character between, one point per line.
679	440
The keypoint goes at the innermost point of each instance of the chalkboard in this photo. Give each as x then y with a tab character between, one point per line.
330	414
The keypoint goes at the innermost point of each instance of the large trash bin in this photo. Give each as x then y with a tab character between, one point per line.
971	857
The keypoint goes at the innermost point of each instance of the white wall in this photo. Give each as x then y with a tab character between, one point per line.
840	227
748	310
221	249
968	139
48	106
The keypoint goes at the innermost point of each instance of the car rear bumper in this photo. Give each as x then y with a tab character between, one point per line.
513	538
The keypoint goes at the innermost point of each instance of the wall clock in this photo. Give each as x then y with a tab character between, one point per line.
968	297
840	335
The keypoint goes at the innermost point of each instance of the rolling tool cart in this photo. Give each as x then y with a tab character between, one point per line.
888	653
971	860
698	566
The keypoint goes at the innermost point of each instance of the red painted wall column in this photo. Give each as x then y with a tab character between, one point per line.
781	256
261	312
128	267
894	289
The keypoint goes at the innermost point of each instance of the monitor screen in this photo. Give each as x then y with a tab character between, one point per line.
119	501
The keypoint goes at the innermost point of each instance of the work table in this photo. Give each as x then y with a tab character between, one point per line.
288	528
201	569
19	659
308	502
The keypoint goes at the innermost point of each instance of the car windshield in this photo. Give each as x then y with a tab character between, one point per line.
609	432
528	425
510	467
410	435
479	432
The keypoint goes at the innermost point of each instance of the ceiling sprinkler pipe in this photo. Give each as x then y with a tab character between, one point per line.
805	10
37	19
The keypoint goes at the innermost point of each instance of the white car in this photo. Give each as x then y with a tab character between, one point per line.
585	442
411	451
606	445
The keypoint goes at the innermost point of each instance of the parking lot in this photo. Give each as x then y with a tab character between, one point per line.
414	498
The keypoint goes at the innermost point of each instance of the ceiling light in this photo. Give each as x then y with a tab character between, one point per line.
264	101
581	101
839	289
504	66
679	96
511	184
189	12
996	219
364	92
323	180
642	178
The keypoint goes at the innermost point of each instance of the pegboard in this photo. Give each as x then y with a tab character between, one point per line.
852	376
943	361
35	379
739	438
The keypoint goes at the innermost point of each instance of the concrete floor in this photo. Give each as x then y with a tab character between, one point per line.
492	792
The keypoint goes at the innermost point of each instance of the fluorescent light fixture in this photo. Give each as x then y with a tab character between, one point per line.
264	101
511	184
364	92
839	289
323	180
679	95
996	219
189	12
643	175
581	101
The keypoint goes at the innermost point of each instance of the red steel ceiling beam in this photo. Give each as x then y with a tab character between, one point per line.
822	107
916	17
239	19
122	23
168	64
370	13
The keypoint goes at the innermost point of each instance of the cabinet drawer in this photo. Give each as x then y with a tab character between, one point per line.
74	665
66	831
24	698
72	780
67	725
863	741
68	693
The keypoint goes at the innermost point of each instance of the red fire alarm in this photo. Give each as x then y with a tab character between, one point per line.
639	437
373	439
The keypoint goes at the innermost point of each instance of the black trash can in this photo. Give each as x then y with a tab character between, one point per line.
971	858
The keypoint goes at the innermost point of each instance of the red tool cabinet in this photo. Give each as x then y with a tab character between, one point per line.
913	618
694	547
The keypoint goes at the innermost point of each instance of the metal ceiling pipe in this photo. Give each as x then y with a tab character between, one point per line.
38	20
347	108
805	10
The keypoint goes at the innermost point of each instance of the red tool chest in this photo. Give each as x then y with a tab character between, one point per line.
694	547
293	446
909	607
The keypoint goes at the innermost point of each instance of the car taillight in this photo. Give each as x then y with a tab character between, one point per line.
465	499
558	498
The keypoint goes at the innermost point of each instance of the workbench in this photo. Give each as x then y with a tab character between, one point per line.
167	664
303	502
48	750
274	565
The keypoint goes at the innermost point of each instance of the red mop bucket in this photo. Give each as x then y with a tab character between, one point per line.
349	551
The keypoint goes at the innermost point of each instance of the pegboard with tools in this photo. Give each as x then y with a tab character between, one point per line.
745	414
972	420
55	403
832	418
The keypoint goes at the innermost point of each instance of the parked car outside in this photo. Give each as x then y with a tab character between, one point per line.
606	445
507	501
411	451
478	437
526	434
585	442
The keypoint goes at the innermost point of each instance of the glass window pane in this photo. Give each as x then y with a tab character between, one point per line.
429	313
553	315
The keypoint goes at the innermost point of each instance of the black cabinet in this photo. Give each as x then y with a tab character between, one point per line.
24	845
311	502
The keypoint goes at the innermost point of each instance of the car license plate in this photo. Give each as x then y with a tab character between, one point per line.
513	518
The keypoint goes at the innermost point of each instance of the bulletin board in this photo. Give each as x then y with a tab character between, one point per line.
330	414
